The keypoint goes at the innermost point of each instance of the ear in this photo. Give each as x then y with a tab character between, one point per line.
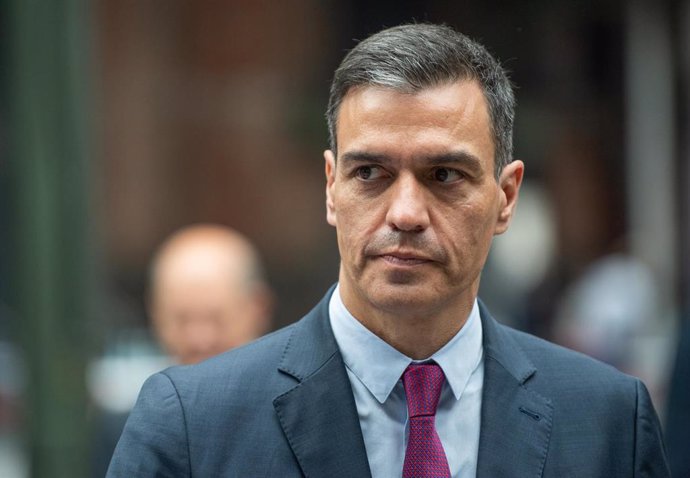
509	182
329	158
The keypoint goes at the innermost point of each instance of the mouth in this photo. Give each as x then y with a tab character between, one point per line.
404	259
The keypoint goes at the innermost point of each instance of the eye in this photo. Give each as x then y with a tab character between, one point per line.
369	173
446	175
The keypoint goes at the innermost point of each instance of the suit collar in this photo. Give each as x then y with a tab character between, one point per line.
501	347
320	421
311	343
516	421
318	415
379	366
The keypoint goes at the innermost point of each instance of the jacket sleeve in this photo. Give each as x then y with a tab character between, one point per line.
154	440
650	453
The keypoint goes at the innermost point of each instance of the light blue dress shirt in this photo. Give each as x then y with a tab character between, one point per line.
375	369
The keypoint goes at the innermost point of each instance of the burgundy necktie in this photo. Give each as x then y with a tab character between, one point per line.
424	457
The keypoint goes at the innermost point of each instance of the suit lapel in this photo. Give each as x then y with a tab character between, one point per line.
515	421
319	415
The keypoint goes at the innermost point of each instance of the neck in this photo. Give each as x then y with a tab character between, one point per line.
417	338
417	332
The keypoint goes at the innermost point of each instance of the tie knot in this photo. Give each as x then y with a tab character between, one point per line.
423	384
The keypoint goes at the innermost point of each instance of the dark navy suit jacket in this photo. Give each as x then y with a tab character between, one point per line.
283	407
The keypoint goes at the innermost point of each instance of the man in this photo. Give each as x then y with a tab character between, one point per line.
207	293
400	371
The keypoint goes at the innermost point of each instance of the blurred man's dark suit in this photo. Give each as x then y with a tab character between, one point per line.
283	406
678	412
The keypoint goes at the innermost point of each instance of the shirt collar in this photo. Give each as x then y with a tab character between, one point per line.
379	366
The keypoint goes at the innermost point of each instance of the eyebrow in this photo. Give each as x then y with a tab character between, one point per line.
467	160
363	157
464	158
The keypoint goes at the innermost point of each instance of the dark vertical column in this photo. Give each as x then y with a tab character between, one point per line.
651	144
48	166
683	90
678	404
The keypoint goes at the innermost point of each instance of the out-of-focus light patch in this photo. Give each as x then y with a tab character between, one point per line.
115	379
13	460
607	307
524	253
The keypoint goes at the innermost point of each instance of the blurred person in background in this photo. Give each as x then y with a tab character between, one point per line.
419	179
207	293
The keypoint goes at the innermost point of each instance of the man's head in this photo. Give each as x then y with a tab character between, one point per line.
409	58
422	178
207	293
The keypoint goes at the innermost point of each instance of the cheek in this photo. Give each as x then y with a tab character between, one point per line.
354	223
471	229
349	242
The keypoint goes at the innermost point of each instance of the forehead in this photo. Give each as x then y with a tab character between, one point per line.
448	116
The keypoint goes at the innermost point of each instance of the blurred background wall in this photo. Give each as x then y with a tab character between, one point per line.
122	121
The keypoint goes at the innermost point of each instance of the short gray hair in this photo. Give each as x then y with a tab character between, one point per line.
412	57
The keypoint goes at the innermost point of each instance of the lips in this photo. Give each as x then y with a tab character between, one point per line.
404	258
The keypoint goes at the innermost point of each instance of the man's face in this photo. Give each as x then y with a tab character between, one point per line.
414	198
200	309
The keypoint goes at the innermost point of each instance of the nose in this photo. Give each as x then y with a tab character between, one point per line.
408	209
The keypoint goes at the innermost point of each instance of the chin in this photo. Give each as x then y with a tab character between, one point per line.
403	299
